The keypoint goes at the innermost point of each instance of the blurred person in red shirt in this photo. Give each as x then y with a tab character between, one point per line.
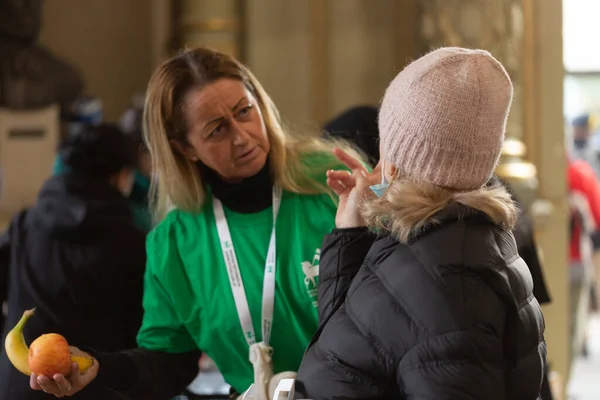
584	190
584	199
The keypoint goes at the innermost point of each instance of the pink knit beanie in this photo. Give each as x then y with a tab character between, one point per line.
443	118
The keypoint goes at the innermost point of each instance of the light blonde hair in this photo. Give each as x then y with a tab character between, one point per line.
177	182
407	207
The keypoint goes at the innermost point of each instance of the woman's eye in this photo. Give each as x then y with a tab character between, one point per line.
244	112
216	131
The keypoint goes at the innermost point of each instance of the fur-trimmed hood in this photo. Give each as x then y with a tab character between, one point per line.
408	208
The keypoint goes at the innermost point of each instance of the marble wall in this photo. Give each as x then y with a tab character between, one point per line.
317	58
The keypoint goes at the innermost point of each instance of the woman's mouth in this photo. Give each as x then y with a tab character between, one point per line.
249	155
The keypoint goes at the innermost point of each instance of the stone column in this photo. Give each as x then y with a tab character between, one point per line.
216	24
280	55
497	26
161	31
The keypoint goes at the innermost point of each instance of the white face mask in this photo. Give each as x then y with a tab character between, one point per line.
380	188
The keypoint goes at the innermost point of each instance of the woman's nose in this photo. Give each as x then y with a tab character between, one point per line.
241	137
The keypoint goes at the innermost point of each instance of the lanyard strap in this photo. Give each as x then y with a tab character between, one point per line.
235	278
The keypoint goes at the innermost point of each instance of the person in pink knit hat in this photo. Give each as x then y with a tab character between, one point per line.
440	305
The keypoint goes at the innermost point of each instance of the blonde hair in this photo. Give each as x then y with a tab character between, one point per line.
177	181
407	207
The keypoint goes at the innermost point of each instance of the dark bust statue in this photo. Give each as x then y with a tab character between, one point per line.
30	75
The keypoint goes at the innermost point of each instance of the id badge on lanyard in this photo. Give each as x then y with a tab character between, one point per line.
235	277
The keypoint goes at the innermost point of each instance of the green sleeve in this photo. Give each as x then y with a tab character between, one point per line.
162	330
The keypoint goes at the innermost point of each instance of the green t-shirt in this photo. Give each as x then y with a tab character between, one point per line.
188	300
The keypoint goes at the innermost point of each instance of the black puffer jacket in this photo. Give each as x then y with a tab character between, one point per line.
450	315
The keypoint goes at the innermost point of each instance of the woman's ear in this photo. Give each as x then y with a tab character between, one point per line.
390	172
186	151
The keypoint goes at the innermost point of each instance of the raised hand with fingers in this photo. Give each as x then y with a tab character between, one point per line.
352	188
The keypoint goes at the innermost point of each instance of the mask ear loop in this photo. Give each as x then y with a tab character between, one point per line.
383	179
380	188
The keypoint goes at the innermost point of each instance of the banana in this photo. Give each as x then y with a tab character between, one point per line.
15	346
84	363
18	351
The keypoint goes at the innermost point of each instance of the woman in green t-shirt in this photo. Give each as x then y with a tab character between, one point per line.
233	265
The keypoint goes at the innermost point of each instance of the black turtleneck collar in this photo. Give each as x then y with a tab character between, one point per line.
249	196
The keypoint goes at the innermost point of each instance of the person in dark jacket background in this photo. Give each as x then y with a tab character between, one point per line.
440	305
77	256
357	125
131	125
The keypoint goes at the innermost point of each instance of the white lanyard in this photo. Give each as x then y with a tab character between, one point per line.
235	278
